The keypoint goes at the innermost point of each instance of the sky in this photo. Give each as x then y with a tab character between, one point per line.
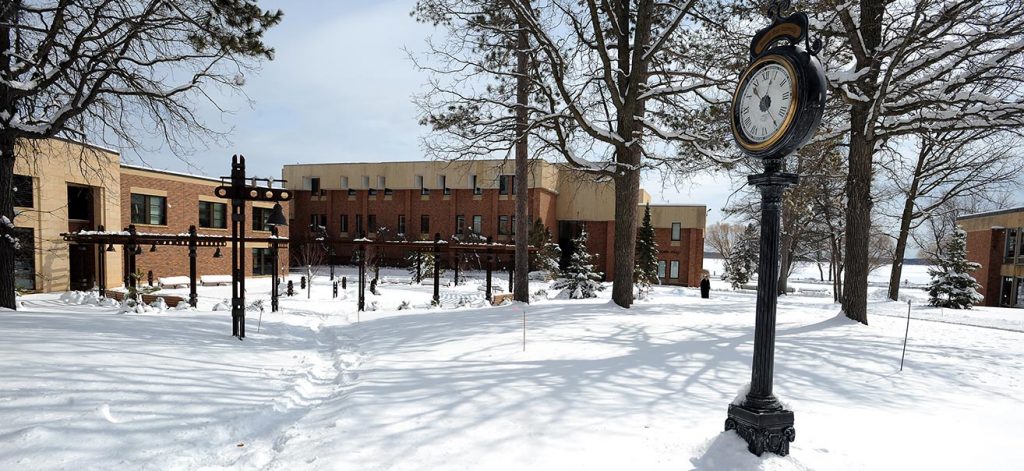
339	90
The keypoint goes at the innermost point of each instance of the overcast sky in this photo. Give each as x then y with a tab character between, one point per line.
339	91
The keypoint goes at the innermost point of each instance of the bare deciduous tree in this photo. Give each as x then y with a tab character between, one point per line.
116	70
915	66
945	166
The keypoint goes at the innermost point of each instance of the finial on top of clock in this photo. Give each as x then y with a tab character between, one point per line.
792	28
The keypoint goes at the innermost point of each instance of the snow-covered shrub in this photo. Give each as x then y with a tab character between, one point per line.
222	306
580	281
159	304
741	264
952	285
405	305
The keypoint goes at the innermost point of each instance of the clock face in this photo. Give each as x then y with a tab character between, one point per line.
766	102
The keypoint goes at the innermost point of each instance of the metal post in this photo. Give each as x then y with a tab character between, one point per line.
362	277
455	256
761	420
490	266
101	263
132	280
437	269
193	242
238	247
419	264
905	335
274	276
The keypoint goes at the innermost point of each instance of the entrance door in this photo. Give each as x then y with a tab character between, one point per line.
81	267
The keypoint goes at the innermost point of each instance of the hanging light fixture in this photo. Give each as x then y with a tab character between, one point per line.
276	217
217	254
153	248
138	250
110	248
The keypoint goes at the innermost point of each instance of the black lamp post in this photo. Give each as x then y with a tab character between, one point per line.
238	191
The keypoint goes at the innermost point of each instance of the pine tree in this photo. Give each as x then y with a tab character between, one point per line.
426	266
741	264
580	280
646	274
546	254
952	285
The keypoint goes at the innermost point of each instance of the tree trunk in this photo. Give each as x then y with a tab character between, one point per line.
785	260
858	181
7	157
858	220
899	255
627	200
7	252
521	287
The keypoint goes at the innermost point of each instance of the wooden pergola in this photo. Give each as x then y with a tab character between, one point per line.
132	242
489	249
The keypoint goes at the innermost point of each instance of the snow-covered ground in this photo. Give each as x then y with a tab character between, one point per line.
597	387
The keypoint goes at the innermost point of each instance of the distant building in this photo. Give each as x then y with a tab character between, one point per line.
65	186
996	240
419	199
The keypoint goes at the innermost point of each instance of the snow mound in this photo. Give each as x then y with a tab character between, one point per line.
729	451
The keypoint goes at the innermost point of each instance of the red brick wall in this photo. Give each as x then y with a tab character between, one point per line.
689	251
986	248
183	211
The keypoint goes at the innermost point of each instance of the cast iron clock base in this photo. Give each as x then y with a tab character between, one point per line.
770	431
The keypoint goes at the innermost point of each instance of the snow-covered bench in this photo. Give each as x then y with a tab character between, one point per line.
215	280
173	281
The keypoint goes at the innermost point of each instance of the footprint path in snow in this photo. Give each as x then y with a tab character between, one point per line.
330	370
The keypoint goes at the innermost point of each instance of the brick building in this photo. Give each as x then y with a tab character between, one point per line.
419	199
64	186
996	241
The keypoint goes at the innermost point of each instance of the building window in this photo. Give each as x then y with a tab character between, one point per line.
371	222
80	203
401	224
1005	291
259	218
419	184
473	184
366	182
506	184
147	209
677	231
212	215
381	182
1011	243
344	183
314	185
512	226
661	269
460	224
674	269
424	224
359	225
262	262
1019	303
442	182
343	223
25	258
478	224
502	225
23	195
317	221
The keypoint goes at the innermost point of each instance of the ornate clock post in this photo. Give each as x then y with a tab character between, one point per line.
776	108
